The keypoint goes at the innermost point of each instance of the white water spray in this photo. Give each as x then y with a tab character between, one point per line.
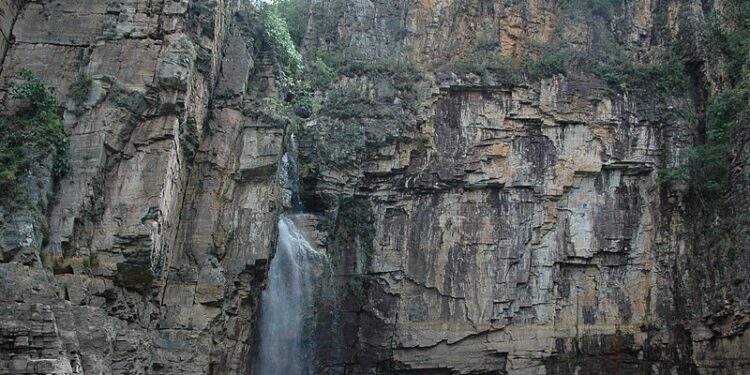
287	311
286	306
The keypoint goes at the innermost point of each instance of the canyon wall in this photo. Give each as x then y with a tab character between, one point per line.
520	222
488	193
149	256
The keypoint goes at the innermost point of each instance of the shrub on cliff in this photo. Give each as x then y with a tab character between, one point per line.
707	170
295	14
30	129
264	20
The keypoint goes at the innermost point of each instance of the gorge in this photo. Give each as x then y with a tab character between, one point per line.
476	187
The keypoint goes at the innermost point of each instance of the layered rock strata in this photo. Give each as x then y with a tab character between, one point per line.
149	256
519	228
478	221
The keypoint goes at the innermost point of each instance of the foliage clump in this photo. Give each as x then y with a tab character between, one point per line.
280	41
79	92
295	14
353	235
30	132
543	62
355	226
264	21
707	169
662	74
359	288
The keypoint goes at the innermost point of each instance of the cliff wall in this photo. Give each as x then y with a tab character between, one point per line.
488	179
149	256
520	221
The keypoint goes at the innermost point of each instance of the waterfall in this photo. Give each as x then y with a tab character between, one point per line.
286	316
290	176
286	305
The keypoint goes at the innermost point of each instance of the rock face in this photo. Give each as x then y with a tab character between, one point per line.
519	226
541	239
479	219
524	236
150	255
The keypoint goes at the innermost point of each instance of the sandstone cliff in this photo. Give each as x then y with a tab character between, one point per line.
521	223
485	176
149	255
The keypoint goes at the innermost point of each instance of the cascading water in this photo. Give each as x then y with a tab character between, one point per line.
290	176
287	302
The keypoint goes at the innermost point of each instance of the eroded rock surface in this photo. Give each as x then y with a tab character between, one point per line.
519	227
478	221
151	253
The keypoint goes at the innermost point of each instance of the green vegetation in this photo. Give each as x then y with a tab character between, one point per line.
323	75
707	170
280	41
359	288
549	62
623	73
79	92
263	21
30	133
295	14
669	177
542	62
355	222
353	233
90	261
